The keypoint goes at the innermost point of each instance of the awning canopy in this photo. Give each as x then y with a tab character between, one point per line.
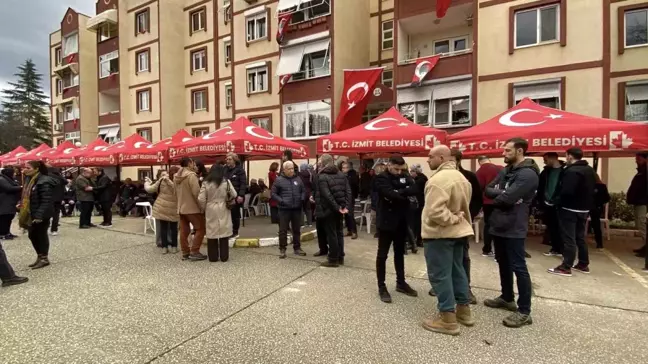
285	5
113	154
60	156
156	153
19	150
291	57
76	156
108	16
109	132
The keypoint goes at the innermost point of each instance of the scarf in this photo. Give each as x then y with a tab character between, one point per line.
24	217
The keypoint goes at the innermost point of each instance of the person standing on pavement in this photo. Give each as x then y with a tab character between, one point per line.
69	197
574	198
215	195
352	177
273	173
485	174
58	193
512	192
377	169
446	227
420	179
84	187
316	200
9	197
36	210
187	188
333	199
307	180
234	173
103	194
7	274
165	209
545	196
393	187
289	193
601	197
637	196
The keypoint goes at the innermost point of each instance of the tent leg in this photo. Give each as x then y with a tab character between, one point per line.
152	174
595	162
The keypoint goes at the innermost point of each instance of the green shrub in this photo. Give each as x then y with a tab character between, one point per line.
619	210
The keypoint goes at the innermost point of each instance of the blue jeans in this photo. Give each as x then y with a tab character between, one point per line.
510	256
444	258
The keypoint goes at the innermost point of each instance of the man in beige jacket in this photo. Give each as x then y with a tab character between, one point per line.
187	188
445	229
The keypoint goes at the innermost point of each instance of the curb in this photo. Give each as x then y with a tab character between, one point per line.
264	242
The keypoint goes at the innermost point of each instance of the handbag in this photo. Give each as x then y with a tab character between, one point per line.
229	203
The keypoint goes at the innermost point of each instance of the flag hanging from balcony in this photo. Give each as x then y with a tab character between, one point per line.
71	58
423	67
284	20
283	80
356	95
442	7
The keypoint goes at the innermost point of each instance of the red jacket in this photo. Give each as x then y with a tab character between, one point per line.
272	176
485	174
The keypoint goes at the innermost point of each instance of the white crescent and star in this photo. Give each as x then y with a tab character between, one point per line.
138	145
372	124
250	130
419	67
360	85
211	135
506	119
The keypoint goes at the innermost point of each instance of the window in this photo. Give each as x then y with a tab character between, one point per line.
227	13
142	22
228	52
388	35
108	64
199	60
313	65
257	79
198	20
546	94
70	112
450	45
199	100
60	116
388	78
636	108
636	28
372	113
59	141
198	132
536	26
452	112
228	96
418	112
305	61
146	133
257	27
144	100
59	86
306	120
70	44
70	80
143	61
143	174
73	137
58	56
108	30
263	122
310	10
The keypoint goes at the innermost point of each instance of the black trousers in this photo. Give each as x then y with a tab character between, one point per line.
349	219
332	225
572	230
5	223
168	233
39	238
218	249
385	240
106	211
322	241
86	208
595	217
293	218
274	214
57	215
511	260
488	238
236	218
550	218
6	271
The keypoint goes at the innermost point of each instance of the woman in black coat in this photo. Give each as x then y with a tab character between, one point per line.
9	197
36	209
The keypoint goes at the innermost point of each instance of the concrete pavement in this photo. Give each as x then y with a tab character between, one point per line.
110	297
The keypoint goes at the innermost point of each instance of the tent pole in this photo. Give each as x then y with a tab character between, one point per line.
595	162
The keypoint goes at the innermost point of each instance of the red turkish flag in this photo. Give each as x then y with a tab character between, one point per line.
283	80
442	7
423	67
284	20
358	86
71	58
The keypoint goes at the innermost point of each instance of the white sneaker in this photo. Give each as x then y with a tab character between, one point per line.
165	250
54	233
173	250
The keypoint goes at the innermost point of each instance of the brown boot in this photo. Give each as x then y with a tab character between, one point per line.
464	315
444	323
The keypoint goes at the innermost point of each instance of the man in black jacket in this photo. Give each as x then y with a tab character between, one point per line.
574	198
235	173
84	187
288	191
347	170
334	198
545	196
512	192
103	194
637	196
394	187
58	193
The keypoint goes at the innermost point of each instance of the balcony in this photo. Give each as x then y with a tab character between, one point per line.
408	8
69	64
109	107
107	17
307	17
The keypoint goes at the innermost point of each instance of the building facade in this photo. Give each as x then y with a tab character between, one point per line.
154	67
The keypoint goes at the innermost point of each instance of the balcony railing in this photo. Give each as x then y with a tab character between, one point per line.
450	65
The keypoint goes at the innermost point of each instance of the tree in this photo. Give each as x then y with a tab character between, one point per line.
24	110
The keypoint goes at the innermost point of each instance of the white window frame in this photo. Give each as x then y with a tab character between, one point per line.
451	44
199	132
203	99
387	81
143	133
255	19
383	35
73	137
73	80
625	28
308	110
450	123
555	82
416	104
200	25
142	22
59	86
201	57
107	31
143	64
143	99
106	58
628	105
254	120
304	10
227	51
260	82
70	112
58	55
70	45
538	26
306	72
228	95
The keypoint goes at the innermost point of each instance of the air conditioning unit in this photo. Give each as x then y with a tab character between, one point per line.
57	127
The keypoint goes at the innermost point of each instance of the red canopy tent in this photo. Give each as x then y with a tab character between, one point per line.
73	157
386	134
551	130
20	158
19	150
60	156
156	153
110	156
243	138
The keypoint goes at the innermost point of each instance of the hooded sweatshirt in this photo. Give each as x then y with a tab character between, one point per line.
187	188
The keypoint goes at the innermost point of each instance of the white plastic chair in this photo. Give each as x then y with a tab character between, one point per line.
605	222
255	206
246	206
149	220
364	214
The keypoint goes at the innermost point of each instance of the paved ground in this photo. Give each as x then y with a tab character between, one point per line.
110	297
